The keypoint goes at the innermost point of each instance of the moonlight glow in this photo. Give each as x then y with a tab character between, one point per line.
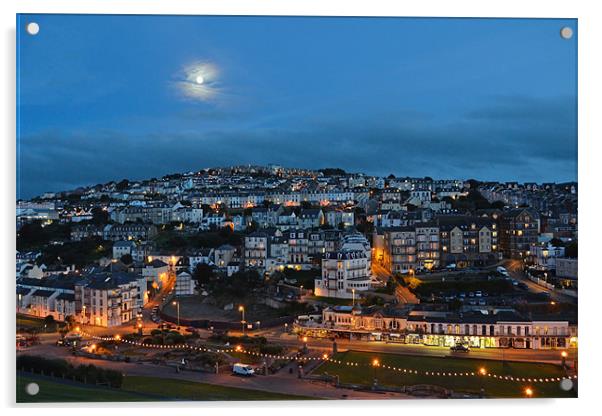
198	81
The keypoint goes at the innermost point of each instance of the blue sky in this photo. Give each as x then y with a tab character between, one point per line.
103	98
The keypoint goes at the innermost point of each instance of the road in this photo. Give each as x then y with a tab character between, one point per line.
515	269
402	294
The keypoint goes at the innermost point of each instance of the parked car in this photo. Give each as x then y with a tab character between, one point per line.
459	348
243	370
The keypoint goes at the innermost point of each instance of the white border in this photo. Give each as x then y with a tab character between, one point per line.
590	136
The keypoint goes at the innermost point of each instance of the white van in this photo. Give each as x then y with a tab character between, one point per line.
243	369
502	270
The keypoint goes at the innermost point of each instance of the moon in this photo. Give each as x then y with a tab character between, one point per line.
200	79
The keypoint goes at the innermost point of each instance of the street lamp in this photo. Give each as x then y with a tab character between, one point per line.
177	305
482	373
529	392
375	364
353	297
241	309
564	354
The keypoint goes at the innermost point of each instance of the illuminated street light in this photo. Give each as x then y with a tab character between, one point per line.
241	309
529	392
482	373
177	305
564	354
375	364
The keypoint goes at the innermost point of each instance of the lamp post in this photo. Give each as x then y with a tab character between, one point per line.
482	373
305	345
285	327
241	309
529	392
564	354
375	364
83	313
177	305
353	297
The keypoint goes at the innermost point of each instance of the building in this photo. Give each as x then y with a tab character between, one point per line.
185	285
343	273
566	267
121	248
500	329
81	232
468	241
399	255
109	298
518	231
256	250
117	232
544	255
224	254
427	246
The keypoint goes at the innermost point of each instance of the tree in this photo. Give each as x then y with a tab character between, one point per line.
306	204
571	250
203	273
252	227
99	216
127	259
49	320
123	185
556	242
70	321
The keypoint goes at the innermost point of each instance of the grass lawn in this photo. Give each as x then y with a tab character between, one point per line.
58	391
333	301
493	387
137	389
36	323
190	390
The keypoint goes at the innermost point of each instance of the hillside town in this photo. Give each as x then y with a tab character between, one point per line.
320	255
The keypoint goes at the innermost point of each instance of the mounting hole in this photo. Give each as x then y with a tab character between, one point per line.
32	389
566	32
566	384
33	28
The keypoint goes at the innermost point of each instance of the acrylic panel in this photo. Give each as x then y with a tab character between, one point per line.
292	208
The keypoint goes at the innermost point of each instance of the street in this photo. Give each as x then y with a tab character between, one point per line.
515	269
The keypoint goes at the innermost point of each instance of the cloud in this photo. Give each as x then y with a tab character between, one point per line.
511	139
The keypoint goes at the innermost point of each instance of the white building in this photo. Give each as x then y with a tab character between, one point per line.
121	248
343	273
184	284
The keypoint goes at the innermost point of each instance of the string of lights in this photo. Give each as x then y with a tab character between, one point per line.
482	372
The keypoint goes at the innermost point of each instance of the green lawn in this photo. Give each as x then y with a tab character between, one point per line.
36	323
189	390
364	374
138	389
57	391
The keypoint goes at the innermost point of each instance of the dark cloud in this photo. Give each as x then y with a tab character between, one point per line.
515	138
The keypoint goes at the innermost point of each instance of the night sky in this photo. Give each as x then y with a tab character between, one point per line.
103	98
